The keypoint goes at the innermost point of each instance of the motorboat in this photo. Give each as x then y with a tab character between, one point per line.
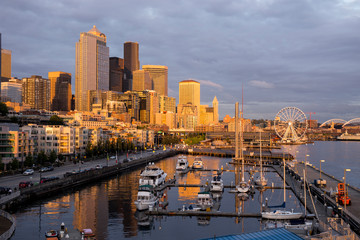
243	187
152	175
205	200
146	198
87	233
261	180
217	184
198	163
281	214
52	235
182	163
297	226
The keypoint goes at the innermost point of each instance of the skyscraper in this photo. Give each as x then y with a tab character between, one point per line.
60	97
11	90
92	67
159	76
215	104
131	63
36	92
5	65
116	74
189	92
141	80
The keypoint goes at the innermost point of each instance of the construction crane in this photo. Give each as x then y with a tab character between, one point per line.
310	117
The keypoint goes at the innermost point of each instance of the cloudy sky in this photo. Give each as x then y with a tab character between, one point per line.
302	53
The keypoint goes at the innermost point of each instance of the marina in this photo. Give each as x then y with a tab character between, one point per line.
230	208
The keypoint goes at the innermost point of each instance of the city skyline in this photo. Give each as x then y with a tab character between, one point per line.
301	54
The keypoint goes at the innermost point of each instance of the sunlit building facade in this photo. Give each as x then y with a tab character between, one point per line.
116	74
60	96
36	92
159	78
167	104
131	63
11	90
5	64
92	66
141	80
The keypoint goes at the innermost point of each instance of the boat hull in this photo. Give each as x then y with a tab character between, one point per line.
281	215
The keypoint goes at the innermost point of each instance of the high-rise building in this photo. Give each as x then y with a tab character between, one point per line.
141	80
131	63
215	104
167	104
60	97
189	92
159	77
92	66
116	74
36	92
11	90
5	65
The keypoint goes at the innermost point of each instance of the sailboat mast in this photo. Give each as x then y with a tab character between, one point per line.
284	181
261	171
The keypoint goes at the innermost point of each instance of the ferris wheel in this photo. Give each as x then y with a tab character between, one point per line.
290	124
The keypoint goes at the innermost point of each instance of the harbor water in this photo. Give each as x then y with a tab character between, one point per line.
107	207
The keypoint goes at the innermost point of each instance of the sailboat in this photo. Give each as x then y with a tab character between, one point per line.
243	186
281	214
261	181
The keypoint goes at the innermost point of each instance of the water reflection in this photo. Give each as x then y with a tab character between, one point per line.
108	207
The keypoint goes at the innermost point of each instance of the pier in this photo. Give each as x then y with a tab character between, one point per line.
203	213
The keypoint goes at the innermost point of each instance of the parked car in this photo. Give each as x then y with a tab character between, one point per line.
4	190
25	184
99	166
48	179
28	172
46	169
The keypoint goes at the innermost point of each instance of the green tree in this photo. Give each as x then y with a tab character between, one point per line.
42	158
52	156
89	150
3	109
15	164
29	161
56	120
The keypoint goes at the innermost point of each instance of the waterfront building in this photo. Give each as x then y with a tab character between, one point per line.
116	74
92	67
167	104
13	143
5	65
60	96
36	92
141	80
11	90
159	78
131	63
187	116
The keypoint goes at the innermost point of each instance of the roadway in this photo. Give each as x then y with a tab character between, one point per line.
14	180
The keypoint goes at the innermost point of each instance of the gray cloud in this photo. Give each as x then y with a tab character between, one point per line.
305	53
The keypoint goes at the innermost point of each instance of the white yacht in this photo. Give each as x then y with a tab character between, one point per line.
198	163
205	200
145	198
182	163
216	184
281	214
152	175
243	187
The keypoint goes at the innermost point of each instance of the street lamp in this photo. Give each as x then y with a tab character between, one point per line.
346	193
320	166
